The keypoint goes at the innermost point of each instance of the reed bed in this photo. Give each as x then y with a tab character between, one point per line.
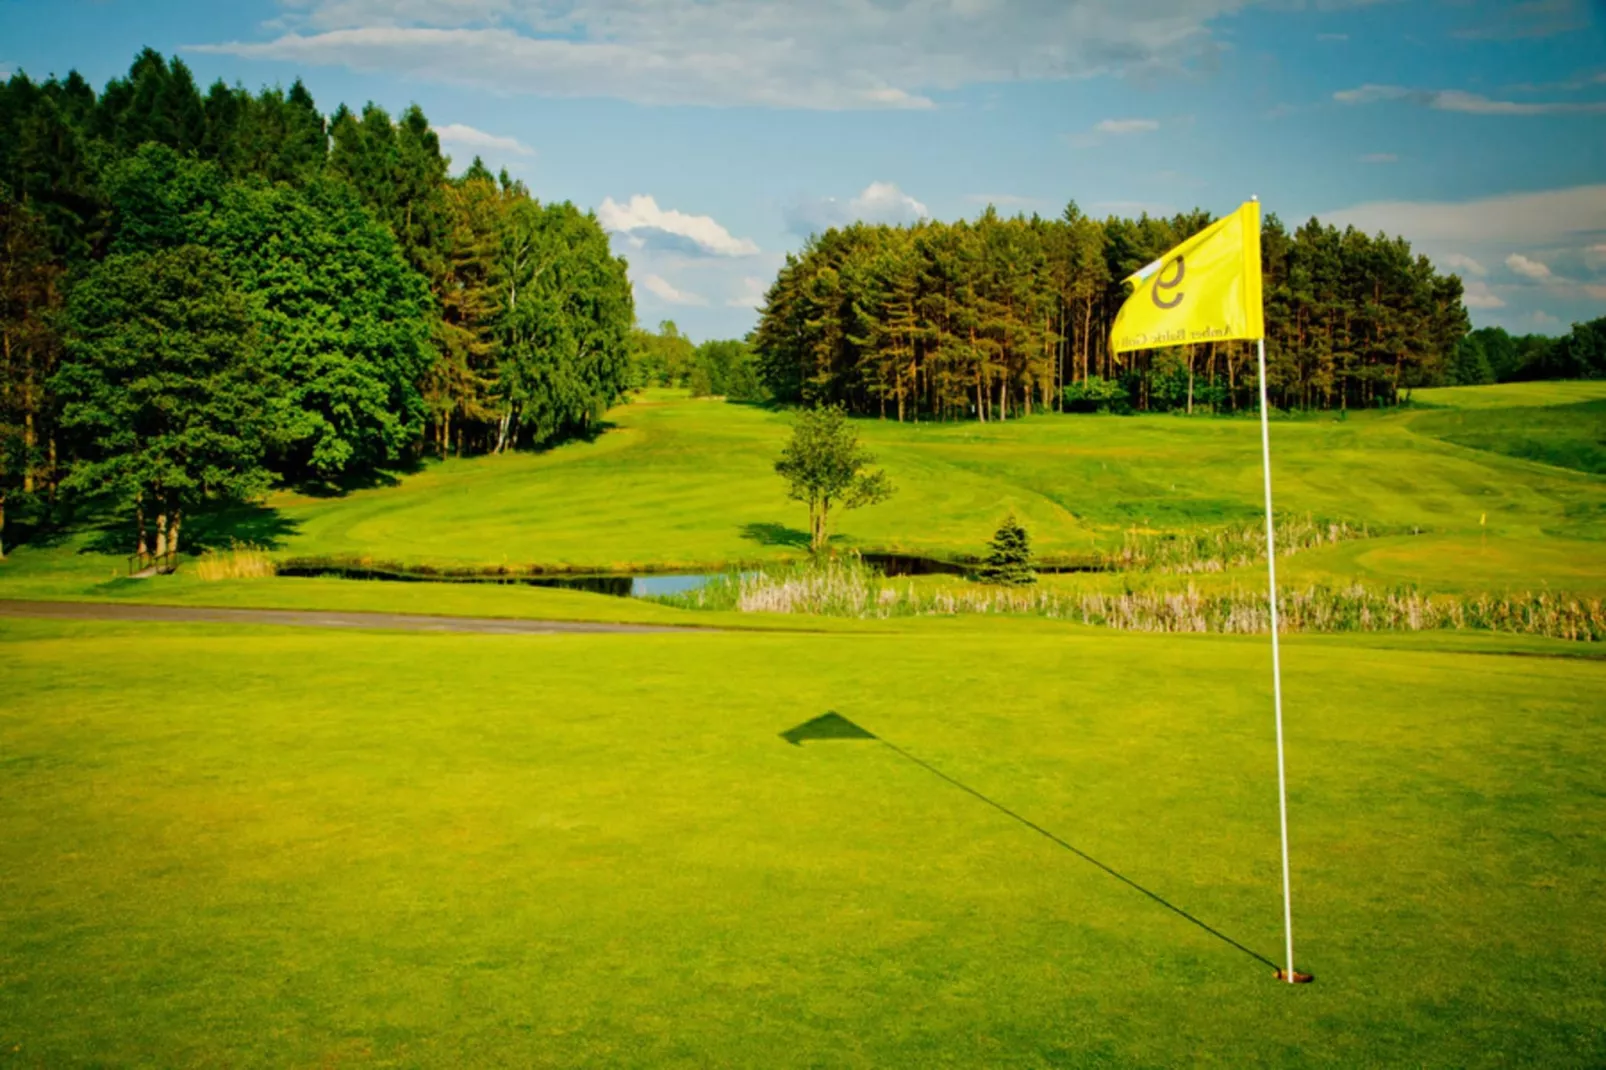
1218	549
851	589
236	563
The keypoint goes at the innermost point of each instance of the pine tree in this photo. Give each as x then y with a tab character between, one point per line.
1009	556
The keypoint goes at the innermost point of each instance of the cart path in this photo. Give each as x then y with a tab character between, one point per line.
317	618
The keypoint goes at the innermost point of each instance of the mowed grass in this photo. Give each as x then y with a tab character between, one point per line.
264	847
1512	395
690	483
1568	436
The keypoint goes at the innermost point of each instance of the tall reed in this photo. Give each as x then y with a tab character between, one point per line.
851	589
1218	549
239	562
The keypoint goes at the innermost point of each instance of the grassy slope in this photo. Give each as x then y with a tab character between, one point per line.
696	476
1568	436
1512	395
688	484
269	847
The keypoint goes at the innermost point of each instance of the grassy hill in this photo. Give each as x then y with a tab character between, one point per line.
1501	482
681	481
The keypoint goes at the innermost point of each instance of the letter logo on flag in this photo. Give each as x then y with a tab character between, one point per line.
1207	289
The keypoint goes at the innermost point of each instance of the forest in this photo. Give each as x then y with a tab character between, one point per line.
203	295
1002	316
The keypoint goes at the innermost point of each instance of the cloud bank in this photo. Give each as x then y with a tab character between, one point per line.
825	54
479	141
669	230
879	202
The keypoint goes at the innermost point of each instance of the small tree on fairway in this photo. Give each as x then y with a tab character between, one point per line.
1009	556
163	387
824	467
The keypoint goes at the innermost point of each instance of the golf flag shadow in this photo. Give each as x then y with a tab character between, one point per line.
832	725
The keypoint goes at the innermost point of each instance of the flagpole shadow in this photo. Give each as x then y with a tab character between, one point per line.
835	726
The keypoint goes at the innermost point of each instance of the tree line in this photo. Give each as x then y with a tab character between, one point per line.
992	318
722	367
1493	355
204	293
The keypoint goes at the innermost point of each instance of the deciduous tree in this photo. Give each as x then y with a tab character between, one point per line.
165	389
825	468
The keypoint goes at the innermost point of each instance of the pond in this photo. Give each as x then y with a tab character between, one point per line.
623	585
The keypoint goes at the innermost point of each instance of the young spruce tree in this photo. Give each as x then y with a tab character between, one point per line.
1009	556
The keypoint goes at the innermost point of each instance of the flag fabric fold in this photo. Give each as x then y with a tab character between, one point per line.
1208	289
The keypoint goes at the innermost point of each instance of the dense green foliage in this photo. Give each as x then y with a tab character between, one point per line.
162	388
1491	355
1009	556
726	368
30	301
393	304
664	357
825	468
994	318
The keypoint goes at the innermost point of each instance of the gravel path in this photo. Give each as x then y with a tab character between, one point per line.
316	618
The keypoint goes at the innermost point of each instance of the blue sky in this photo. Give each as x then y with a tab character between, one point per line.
712	135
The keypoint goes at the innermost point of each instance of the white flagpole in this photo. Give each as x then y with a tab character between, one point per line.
1276	664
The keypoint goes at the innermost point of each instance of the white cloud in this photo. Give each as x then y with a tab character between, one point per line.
879	202
1125	126
1380	157
661	288
650	226
479	141
1595	291
1463	264
1477	294
343	14
826	54
1560	216
1544	320
1528	269
883	202
1370	94
1459	101
752	294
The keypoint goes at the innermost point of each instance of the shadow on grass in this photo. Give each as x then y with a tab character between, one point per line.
342	485
833	725
255	525
776	535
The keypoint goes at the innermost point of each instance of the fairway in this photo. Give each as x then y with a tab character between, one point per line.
273	847
697	475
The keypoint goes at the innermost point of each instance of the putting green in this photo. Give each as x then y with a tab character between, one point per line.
271	847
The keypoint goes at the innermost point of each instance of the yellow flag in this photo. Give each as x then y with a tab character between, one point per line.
1205	290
